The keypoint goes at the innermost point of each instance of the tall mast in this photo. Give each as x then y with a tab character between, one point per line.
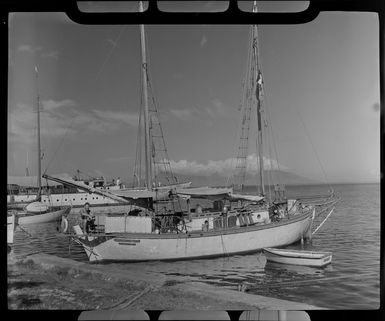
38	139
27	167
259	105
147	141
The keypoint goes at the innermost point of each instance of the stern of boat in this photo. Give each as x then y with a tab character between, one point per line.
89	243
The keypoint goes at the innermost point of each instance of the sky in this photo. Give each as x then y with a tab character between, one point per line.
321	88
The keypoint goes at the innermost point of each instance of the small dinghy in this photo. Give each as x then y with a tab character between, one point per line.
308	258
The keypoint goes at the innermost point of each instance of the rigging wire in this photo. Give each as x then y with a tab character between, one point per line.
265	96
249	104
270	180
59	146
313	147
243	148
155	113
114	45
138	157
271	141
96	78
241	109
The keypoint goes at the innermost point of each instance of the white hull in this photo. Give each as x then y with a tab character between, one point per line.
10	228
76	200
316	259
70	199
24	218
143	247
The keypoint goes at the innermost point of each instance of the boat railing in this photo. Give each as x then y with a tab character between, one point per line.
179	223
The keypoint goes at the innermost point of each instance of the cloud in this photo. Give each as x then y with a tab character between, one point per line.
118	116
29	48
62	117
51	104
182	113
221	167
22	124
51	54
203	40
219	106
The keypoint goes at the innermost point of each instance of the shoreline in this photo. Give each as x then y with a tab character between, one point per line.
43	281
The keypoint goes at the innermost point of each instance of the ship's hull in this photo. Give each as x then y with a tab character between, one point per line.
24	218
76	200
237	240
10	228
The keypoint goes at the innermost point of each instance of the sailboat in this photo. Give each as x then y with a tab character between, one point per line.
164	237
159	183
36	211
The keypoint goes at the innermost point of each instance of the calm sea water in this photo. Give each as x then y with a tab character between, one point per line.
352	233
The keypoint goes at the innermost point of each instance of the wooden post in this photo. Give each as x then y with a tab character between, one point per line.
282	315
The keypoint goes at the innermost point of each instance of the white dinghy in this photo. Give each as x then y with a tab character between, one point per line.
308	258
10	228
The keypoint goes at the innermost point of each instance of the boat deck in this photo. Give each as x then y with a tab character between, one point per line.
209	233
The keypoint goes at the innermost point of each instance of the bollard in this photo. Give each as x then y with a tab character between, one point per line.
281	315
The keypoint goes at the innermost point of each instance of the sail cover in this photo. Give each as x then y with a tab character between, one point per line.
211	193
245	197
173	186
159	193
134	194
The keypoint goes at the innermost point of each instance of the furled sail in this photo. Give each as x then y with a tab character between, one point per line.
245	197
136	193
211	193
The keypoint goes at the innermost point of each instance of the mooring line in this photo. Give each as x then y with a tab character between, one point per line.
123	305
319	226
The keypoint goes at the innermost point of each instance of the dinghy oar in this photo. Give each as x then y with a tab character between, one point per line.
323	221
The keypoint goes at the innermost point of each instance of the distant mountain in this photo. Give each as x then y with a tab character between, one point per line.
281	177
